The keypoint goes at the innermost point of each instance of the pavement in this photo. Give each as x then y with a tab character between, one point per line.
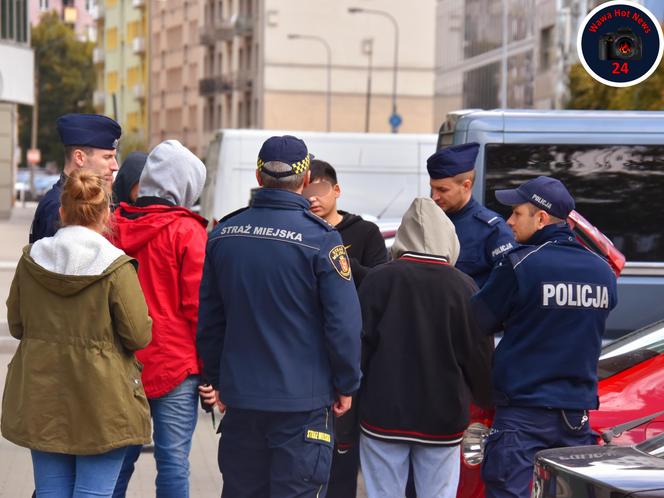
16	479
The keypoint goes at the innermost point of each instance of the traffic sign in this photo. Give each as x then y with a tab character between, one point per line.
395	120
34	156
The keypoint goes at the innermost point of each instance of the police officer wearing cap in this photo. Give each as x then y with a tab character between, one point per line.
551	297
90	141
279	333
483	234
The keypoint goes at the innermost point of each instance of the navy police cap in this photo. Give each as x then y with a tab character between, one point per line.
287	149
452	161
89	130
545	193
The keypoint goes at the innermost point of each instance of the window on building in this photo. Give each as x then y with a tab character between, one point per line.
546	49
133	74
602	179
219	116
112	82
43	5
111	38
132	121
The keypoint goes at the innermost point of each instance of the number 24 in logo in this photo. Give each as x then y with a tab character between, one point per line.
620	68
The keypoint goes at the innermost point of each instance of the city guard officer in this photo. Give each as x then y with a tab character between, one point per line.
90	141
483	234
551	298
279	333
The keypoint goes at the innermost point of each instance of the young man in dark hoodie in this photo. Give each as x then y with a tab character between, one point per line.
364	243
366	248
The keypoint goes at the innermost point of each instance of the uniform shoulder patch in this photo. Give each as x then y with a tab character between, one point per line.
319	220
487	216
340	261
234	213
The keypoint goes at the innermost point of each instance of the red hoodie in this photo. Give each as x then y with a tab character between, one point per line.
169	244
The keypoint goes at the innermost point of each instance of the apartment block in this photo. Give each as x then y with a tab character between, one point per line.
120	58
76	13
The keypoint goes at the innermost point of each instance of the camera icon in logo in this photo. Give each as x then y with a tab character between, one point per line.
621	45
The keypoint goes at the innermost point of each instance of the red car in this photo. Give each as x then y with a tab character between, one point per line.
631	373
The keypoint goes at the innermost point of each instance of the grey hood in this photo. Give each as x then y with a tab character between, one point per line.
174	173
425	228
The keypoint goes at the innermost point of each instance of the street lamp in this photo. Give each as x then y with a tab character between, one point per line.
395	119
294	36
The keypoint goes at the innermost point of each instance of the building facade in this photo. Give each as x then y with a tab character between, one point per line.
276	65
16	87
76	13
175	70
120	58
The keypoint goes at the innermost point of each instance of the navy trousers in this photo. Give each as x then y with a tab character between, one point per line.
516	435
275	454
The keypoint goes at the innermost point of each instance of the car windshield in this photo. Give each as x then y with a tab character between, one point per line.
631	349
653	446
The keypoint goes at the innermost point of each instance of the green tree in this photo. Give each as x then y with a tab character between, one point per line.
586	93
65	75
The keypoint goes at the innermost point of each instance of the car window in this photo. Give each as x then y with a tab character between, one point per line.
631	350
616	187
654	446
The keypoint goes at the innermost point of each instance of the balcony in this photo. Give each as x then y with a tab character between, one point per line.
97	13
211	33
98	55
139	91
98	99
243	81
243	25
138	4
215	85
138	45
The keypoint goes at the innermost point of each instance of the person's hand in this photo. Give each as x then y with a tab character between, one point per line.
220	405
208	394
341	405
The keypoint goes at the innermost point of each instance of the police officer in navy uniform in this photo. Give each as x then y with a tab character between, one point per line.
551	297
279	333
90	141
483	234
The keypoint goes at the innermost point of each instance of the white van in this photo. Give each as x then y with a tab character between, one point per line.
379	173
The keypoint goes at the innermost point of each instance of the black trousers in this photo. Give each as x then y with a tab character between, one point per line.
275	454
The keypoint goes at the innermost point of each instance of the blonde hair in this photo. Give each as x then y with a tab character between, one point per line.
84	200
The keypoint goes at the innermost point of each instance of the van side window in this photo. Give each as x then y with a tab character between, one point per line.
618	188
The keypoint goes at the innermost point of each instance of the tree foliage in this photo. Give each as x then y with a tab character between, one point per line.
586	93
65	74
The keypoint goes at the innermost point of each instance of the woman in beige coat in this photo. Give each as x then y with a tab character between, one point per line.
73	393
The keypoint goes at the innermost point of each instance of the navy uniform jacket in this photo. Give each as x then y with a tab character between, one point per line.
279	319
47	216
484	238
551	299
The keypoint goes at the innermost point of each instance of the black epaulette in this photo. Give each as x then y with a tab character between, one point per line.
234	213
487	216
320	220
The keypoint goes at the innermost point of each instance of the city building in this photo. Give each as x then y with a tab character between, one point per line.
120	58
16	87
508	53
76	13
175	70
281	65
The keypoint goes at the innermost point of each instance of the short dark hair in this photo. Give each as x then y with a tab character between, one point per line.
69	150
321	170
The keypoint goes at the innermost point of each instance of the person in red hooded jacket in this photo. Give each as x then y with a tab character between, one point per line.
168	240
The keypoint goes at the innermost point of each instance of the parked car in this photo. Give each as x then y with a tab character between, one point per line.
43	183
631	386
609	471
